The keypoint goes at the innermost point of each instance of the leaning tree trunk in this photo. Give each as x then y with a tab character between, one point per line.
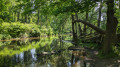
111	26
91	25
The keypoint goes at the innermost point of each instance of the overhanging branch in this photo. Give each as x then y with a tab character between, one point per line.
92	26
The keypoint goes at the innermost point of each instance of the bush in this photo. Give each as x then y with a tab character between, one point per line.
35	31
46	30
17	29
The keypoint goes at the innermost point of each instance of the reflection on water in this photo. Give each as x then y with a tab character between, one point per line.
30	53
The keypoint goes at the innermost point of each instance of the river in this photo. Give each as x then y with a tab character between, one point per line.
38	52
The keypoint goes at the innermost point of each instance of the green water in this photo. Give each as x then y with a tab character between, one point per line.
25	53
28	53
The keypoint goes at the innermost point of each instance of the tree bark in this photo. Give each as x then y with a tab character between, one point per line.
111	26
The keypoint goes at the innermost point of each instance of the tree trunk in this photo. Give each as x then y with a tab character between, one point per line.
18	16
111	26
38	16
15	19
29	19
80	30
76	28
76	25
26	18
99	18
73	31
119	4
22	19
84	29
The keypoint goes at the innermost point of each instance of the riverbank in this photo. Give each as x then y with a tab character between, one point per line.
95	61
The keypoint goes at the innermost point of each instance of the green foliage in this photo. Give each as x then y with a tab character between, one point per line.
116	49
70	7
16	29
1	20
46	30
118	28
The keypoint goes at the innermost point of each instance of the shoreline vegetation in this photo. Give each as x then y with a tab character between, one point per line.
17	30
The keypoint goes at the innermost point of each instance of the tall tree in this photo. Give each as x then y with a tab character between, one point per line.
111	26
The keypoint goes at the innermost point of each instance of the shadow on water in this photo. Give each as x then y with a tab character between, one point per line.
43	52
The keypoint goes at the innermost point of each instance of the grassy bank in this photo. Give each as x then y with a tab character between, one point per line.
17	29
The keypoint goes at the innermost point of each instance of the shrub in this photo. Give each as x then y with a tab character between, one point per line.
46	30
17	29
35	31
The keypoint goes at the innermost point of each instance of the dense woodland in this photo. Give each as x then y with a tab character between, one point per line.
88	21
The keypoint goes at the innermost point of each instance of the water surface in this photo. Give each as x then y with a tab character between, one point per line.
30	53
